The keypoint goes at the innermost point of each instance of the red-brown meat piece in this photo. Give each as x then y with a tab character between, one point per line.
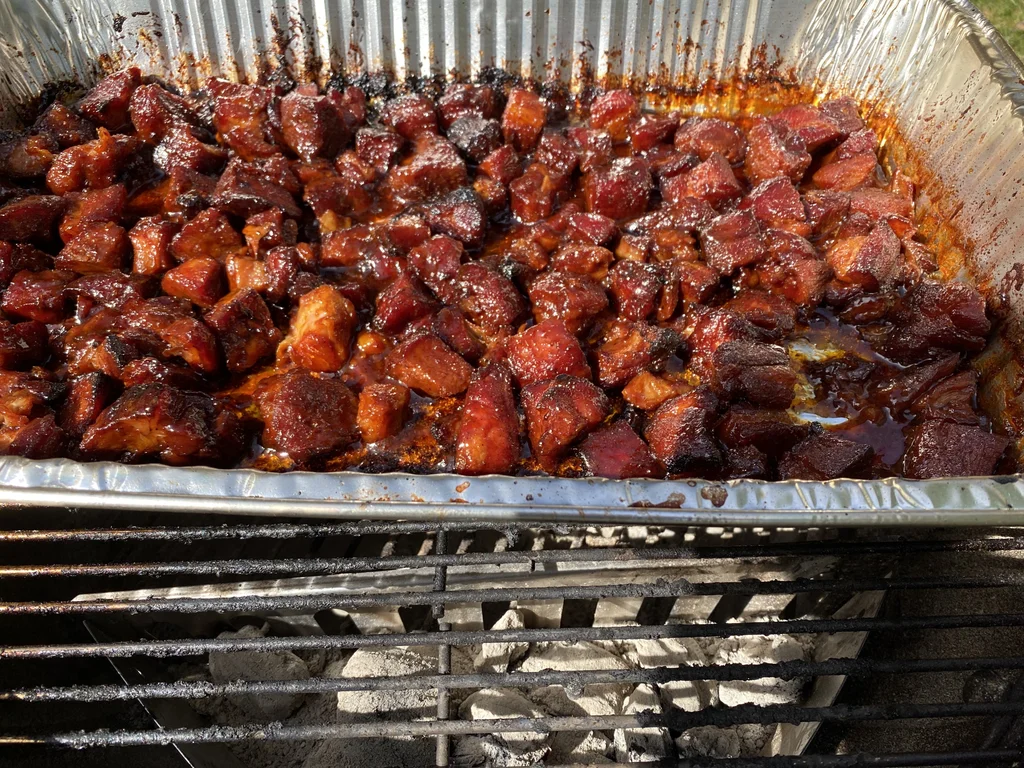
383	408
712	181
401	303
648	131
108	101
429	366
209	234
947	449
487	441
574	299
245	329
707	136
617	452
101	206
453	329
523	119
613	112
775	152
771	432
826	457
41	438
590	260
37	295
98	248
489	299
306	416
680	433
558	412
897	392
732	240
630	348
321	330
776	203
814	127
793	269
312	126
936	316
873	262
461	215
86	398
545	351
464	100
199	280
619	190
434	168
635	288
436	263
31	218
410	115
953	399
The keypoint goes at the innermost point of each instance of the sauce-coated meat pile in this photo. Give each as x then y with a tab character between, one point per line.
481	283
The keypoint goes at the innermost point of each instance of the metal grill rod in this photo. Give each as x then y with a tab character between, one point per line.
786	670
166	648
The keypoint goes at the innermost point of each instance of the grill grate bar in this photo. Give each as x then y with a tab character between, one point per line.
167	648
445	682
675	719
444	651
988	758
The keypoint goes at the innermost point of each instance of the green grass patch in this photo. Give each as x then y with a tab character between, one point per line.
1008	18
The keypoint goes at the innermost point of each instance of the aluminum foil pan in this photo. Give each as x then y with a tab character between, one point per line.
949	86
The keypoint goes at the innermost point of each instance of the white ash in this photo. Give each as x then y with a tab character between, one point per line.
745	740
503	749
496	657
581	748
594	699
641	745
759	649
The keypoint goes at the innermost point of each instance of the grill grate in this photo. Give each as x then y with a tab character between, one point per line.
937	683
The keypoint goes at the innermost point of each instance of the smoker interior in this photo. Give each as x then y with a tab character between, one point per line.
937	681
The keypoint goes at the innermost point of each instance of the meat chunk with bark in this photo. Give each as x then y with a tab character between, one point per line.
948	449
321	331
378	147
897	392
154	111
165	326
86	398
306	416
952	399
558	412
635	288
98	248
617	452
732	240
37	295
459	214
41	438
311	126
680	433
101	206
647	390
182	149
613	112
475	137
793	269
107	103
27	158
429	366
845	112
712	181
813	126
199	280
383	409
244	328
534	195
574	299
757	372
873	262
544	351
113	290
31	218
410	115
159	421
824	456
241	117
401	303
94	165
775	315
590	260
436	262
591	228
488	299
244	189
629	348
707	136
776	204
649	131
502	165
774	151
771	432
523	119
933	317
453	329
434	168
64	126
487	440
618	190
22	344
209	234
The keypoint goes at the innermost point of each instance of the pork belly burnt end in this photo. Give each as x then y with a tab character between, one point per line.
306	416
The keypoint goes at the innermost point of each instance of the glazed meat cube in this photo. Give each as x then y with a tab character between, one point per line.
436	263
847	174
533	196
429	366
41	438
401	303
544	351
502	165
593	146
306	416
199	280
245	189
613	112
87	396
732	240
37	295
630	348
31	218
745	463
461	215
707	136
243	272
793	269
64	126
149	370
953	399
845	112
244	328
151	245
487	298
898	391
410	115
182	149
826	210
948	449
936	316
713	181
558	412
108	101
98	248
406	232
154	111
771	432
99	206
878	203
158	421
697	282
775	152
267	230
379	147
22	344
776	203
282	265
493	194
434	168
27	158
209	234
757	372
462	100
166	327
523	119
349	103
348	190
774	314
574	299
647	391
322	330
240	115
557	154
591	260
451	327
591	228
617	452
311	126
383	408
487	441
648	131
98	352
814	127
475	137
618	190
826	457
113	290
680	433
634	287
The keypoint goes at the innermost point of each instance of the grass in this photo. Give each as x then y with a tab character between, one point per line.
1008	18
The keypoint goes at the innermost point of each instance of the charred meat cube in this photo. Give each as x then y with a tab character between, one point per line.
452	328
383	408
267	230
436	263
241	117
37	295
243	272
199	280
774	314
98	248
346	190
707	136
647	390
349	103
953	399
434	168
523	119
948	449
99	206
544	351
463	100
898	391
487	440
94	165
41	438
745	463
64	126
680	433
848	173
757	372
410	115
556	153
826	210
31	218
617	452
14	258
406	232
322	330
26	158
181	149
98	352
934	317
591	260
533	196
697	281
245	189
732	240
282	266
306	416
159	421
618	190
429	366
87	396
108	101
713	181
593	146
814	127
558	412
774	151
591	228
113	290
149	370
209	234
155	111
379	147
401	303
166	327
793	269
845	112
475	137
488	299
648	131
244	328
824	456
771	432
503	165
574	299
776	203
459	214
22	344
630	348
613	112
493	194
311	126
635	288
